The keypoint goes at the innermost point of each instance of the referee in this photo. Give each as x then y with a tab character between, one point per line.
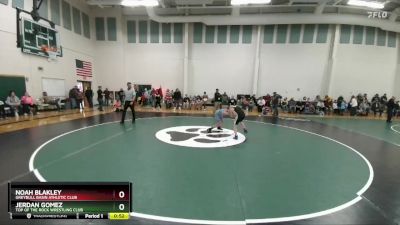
130	95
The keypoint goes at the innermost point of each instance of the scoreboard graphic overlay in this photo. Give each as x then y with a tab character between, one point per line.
54	200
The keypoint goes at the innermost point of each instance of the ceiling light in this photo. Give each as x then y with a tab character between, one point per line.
134	3
247	2
369	4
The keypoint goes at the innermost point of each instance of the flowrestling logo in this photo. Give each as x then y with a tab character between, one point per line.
198	137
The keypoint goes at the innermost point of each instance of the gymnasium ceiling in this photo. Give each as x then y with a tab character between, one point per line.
212	10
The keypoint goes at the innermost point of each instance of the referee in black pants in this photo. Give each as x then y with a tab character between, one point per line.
130	95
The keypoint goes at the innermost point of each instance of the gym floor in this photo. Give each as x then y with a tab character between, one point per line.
288	171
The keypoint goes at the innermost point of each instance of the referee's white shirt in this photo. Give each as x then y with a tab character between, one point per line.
130	94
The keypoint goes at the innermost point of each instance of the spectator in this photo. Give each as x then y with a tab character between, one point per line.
383	101
100	98
292	106
121	95
107	97
260	104
2	110
153	97
390	108
79	99
363	106
28	104
118	106
168	99
276	99
232	101
89	96
354	105
177	99
328	102
397	109
335	107
284	105
321	107
251	105
205	99
254	98
341	105
217	100
157	95
72	97
300	105
384	98
376	105
14	103
145	97
245	103
268	99
225	98
186	102
198	102
51	101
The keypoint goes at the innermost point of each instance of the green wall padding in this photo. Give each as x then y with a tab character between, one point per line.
12	83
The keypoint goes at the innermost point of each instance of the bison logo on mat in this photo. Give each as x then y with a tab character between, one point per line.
197	137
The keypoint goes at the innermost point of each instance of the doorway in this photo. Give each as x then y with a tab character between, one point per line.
83	86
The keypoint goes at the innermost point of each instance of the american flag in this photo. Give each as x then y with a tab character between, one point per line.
83	68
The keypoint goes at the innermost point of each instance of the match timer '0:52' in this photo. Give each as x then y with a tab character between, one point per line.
118	216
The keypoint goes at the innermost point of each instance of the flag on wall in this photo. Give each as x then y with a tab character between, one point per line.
83	68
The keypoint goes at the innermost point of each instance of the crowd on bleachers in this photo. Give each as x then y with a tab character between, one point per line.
359	105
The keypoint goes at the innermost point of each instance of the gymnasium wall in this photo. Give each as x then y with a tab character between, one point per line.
75	40
294	60
365	61
141	59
